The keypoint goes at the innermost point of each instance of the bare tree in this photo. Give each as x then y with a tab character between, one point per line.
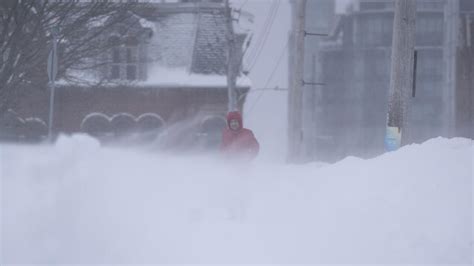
25	38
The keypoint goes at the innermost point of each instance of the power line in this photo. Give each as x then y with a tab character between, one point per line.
267	33
267	20
270	78
241	6
254	52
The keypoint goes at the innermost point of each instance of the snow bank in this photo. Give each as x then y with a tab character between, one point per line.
78	203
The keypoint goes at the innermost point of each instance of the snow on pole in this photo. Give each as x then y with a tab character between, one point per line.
401	77
52	72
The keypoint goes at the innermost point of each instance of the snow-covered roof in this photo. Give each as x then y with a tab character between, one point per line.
161	77
188	47
181	78
189	35
147	24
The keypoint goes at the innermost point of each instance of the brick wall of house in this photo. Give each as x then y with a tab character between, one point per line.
73	104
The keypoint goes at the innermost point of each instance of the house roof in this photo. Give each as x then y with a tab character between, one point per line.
188	38
210	44
179	78
191	36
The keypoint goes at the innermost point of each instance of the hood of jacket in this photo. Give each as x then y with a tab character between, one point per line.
235	115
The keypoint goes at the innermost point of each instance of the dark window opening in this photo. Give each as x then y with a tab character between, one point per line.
114	40
466	5
132	41
131	54
131	72
115	72
373	5
116	55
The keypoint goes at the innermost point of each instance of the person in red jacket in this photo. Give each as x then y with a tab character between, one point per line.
238	141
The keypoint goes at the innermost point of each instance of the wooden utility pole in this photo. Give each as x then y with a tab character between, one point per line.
401	78
295	97
52	73
464	93
450	49
232	66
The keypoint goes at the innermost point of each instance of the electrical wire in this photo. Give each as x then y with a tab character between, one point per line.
267	33
270	78
265	25
253	53
241	6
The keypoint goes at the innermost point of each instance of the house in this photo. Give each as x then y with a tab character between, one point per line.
168	73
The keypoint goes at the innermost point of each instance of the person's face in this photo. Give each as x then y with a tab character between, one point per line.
234	124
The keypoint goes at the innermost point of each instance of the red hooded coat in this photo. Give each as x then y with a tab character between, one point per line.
239	142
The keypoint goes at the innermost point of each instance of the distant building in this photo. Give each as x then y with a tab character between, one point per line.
169	72
461	58
349	112
320	19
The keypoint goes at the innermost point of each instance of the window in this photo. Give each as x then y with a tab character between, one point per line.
430	4
131	54
466	5
116	55
429	31
131	72
375	31
115	66
131	49
115	72
124	58
374	5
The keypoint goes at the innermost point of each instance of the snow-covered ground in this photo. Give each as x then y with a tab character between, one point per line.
76	202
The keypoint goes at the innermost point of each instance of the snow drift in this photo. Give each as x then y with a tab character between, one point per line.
76	202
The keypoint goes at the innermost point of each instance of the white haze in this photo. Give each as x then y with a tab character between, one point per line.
79	203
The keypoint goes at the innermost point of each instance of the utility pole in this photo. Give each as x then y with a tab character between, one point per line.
232	66
295	97
52	72
401	77
311	113
450	50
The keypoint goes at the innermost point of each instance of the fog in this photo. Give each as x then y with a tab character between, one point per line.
121	141
78	203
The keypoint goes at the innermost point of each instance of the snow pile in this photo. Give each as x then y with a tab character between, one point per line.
78	203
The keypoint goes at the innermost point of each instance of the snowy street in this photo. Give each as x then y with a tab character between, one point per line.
76	202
